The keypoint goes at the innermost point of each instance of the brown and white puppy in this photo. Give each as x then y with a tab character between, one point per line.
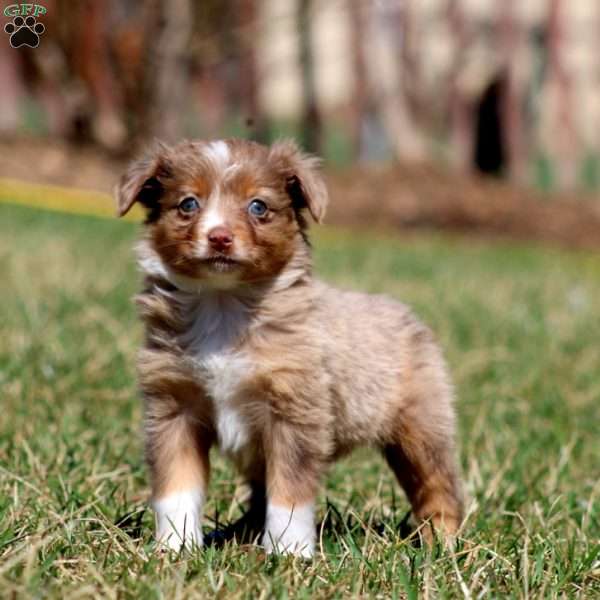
247	351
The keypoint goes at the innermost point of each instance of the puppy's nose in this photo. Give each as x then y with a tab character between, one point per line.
220	238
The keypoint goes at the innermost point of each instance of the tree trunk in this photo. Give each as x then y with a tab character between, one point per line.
248	82
167	69
12	91
311	119
461	111
94	67
559	81
512	100
359	104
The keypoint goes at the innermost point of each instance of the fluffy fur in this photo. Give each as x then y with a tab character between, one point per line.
247	351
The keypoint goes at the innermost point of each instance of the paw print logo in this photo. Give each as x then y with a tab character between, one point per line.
24	32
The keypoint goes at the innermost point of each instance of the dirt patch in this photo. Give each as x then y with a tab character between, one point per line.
49	161
398	196
429	197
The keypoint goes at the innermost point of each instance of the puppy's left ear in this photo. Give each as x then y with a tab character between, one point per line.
303	180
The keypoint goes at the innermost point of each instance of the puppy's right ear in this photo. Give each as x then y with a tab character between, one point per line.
143	181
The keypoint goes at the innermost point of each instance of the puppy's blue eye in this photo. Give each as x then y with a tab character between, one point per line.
189	205
257	208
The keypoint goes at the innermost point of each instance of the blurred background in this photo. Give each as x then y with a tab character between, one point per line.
461	141
460	114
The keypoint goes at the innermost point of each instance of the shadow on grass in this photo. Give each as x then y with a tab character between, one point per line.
249	527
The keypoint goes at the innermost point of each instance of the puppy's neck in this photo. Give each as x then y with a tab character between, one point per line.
206	319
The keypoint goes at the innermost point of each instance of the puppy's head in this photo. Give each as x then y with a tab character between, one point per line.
227	210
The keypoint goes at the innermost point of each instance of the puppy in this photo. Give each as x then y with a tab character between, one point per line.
246	351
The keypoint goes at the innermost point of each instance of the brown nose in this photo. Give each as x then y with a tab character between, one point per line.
220	238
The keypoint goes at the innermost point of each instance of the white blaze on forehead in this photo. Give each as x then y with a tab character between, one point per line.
218	152
213	217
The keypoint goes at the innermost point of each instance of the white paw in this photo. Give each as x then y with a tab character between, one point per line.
179	520
290	530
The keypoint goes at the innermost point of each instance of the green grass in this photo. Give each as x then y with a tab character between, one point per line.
520	329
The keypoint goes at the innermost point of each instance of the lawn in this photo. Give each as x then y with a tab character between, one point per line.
520	329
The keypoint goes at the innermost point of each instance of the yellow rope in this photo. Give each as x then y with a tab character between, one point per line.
62	199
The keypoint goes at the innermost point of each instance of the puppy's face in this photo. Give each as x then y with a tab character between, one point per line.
225	211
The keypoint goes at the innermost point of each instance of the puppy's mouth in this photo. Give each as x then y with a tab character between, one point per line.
220	263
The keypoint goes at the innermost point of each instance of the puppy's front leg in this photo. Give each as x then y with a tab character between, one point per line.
179	465
292	479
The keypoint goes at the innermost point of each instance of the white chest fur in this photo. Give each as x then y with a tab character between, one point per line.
223	374
215	325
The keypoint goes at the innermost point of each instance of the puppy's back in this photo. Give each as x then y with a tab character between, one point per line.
382	360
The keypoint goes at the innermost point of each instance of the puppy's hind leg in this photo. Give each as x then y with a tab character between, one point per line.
422	455
432	487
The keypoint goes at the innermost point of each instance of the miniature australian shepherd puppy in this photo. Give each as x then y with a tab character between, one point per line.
247	351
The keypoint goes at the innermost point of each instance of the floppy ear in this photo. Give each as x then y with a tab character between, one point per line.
143	181
303	180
